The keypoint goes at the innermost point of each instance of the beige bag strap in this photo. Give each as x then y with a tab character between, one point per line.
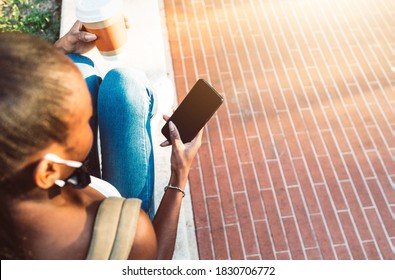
114	229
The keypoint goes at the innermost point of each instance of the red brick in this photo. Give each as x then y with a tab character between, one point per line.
314	134
361	106
198	199
259	163
250	124
264	239
385	155
341	93
221	56
330	215
204	243
241	142
205	38
235	242
294	113
302	218
359	153
286	163
282	79
306	186
293	239
251	81
342	253
185	43
253	257
313	254
335	156
279	188
246	225
337	128
371	250
292	141
236	72
208	65
190	71
382	176
382	206
257	70
351	236
233	166
176	58
360	128
253	192
311	160
226	195
199	59
332	184
207	170
265	137
181	88
229	93
275	90
226	128
217	229
276	227
323	239
283	256
358	181
215	138
382	241
350	191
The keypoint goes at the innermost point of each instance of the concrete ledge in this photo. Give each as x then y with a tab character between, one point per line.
148	50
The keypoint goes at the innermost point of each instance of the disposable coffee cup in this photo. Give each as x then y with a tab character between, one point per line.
104	19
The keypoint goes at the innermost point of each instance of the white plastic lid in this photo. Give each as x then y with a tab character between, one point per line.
97	10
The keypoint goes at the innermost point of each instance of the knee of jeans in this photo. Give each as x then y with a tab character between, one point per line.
132	84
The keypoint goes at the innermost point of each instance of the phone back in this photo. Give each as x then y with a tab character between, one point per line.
195	110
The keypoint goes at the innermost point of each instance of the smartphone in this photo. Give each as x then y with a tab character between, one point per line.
195	111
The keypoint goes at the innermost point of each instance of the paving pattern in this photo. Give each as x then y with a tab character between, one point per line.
299	161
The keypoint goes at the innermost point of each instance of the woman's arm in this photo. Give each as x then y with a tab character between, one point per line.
157	240
166	219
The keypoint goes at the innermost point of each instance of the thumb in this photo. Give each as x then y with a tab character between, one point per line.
174	134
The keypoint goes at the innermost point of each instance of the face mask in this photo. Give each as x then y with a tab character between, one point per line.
80	177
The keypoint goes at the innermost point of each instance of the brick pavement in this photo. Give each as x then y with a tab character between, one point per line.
299	162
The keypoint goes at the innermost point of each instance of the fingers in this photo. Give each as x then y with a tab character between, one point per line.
127	23
165	143
166	117
174	134
77	26
86	37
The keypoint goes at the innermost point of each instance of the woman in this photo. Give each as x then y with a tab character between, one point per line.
45	111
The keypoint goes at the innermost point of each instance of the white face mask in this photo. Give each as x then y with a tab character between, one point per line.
80	177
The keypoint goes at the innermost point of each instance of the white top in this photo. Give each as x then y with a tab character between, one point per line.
104	187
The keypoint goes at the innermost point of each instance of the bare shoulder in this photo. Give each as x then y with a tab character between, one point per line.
145	244
67	233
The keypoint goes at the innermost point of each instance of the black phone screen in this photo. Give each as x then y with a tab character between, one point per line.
195	111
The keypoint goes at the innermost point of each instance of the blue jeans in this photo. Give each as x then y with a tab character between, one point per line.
123	104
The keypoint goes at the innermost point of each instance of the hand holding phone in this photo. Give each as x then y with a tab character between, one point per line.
195	111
